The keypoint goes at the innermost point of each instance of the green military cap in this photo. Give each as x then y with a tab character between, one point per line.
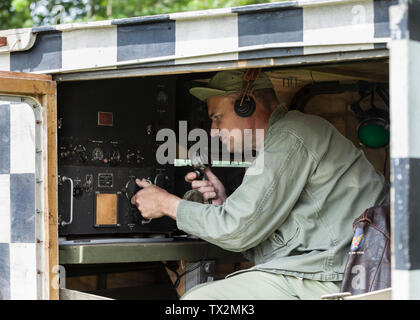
227	82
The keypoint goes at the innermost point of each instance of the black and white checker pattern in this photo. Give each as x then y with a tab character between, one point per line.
405	148
258	31
18	252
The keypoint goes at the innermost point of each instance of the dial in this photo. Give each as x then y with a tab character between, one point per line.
80	151
97	154
64	152
115	155
134	156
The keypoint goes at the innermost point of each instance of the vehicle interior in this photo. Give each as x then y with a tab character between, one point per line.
107	137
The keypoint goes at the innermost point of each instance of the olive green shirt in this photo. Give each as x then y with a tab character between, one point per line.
295	217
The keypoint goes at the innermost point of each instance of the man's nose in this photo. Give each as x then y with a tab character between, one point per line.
214	131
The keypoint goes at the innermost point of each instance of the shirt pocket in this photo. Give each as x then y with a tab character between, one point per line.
279	241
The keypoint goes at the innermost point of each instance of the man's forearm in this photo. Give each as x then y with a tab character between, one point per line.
170	205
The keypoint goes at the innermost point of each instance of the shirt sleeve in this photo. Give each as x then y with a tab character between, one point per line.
268	193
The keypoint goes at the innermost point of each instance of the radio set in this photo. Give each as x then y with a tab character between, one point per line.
107	138
105	141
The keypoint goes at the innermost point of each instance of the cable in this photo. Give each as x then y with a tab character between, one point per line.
173	266
386	160
197	265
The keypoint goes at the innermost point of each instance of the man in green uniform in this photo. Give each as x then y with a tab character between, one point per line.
292	215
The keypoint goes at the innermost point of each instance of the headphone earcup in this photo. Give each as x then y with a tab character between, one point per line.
246	109
373	132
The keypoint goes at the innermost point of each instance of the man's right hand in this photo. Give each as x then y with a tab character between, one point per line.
210	189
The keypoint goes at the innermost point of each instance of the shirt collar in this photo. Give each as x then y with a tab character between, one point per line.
277	114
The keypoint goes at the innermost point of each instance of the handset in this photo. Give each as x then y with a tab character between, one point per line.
131	188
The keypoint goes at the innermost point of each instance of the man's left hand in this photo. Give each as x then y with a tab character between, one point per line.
154	202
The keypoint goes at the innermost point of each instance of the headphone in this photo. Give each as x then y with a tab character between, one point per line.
245	104
373	128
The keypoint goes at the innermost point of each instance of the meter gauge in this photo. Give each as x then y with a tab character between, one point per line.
97	154
114	155
80	151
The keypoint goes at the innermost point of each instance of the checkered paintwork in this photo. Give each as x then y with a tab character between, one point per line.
257	31
18	256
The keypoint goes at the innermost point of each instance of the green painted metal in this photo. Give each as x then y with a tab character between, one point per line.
146	252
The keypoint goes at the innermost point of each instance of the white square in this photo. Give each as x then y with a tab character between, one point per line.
89	48
5	208
22	138
5	61
198	37
348	23
23	271
405	99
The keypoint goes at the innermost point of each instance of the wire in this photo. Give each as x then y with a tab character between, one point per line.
178	280
173	266
197	265
386	160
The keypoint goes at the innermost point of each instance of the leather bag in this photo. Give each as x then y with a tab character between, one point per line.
368	266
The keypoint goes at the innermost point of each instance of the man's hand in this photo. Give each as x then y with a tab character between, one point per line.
211	189
154	202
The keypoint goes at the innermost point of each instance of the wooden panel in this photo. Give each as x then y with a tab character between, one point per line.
82	283
3	41
131	279
106	208
369	71
25	86
23	75
42	88
51	203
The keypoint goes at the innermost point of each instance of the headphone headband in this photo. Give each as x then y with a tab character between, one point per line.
250	76
247	108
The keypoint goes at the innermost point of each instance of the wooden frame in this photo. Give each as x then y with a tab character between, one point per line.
42	88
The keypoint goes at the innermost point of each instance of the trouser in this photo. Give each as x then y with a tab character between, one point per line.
259	285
